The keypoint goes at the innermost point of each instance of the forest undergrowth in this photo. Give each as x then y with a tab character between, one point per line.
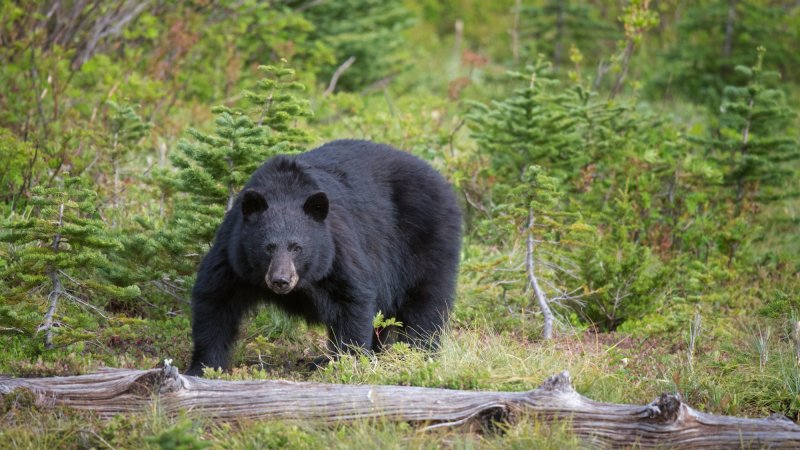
638	159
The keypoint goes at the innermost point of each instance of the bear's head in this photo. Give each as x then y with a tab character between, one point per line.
285	239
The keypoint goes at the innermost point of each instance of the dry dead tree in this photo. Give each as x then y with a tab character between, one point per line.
666	422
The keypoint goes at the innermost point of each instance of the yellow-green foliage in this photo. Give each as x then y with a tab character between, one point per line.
647	149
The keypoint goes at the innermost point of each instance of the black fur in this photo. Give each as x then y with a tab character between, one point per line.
350	228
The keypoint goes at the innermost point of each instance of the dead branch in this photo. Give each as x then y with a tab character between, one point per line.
338	73
541	298
666	422
110	24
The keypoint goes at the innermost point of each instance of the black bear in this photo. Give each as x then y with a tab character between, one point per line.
334	235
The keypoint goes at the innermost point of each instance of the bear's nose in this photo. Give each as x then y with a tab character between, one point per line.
280	283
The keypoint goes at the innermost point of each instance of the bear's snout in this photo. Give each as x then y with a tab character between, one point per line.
281	276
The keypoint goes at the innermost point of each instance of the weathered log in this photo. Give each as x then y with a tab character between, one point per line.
666	422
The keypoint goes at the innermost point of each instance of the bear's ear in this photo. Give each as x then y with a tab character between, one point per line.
317	206
252	202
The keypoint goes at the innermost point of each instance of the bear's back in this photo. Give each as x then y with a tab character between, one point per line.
365	159
401	209
386	181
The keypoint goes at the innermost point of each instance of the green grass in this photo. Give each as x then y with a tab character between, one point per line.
155	431
736	369
740	363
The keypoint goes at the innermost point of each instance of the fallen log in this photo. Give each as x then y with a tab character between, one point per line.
666	422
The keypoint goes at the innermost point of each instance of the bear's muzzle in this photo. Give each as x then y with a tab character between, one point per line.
281	275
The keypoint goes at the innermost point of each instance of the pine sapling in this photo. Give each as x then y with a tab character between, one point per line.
126	129
274	101
59	237
213	167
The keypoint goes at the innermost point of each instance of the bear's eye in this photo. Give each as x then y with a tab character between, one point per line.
295	248
271	248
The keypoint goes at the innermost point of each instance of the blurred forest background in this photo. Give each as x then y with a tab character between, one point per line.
632	165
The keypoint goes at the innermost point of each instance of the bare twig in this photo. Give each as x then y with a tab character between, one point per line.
308	5
796	341
541	298
459	38
379	85
602	69
110	24
82	302
338	73
695	328
452	136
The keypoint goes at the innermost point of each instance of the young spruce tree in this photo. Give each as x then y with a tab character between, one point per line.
125	129
528	214
275	106
594	148
753	144
525	214
49	251
213	167
528	126
754	150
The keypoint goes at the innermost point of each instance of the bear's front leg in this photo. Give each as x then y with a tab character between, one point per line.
347	308
348	317
215	324
352	329
219	301
349	330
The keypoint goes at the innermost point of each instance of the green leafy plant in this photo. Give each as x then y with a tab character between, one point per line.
382	325
181	436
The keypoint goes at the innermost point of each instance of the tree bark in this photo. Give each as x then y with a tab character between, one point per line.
666	422
56	291
727	46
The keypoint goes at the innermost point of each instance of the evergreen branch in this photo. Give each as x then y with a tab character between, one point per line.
82	302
